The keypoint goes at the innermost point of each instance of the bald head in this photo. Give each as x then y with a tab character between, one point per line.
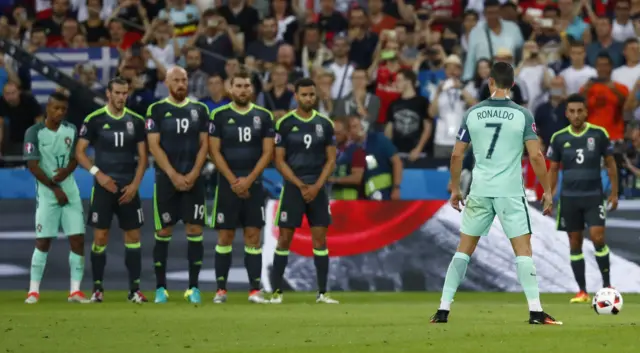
286	55
176	81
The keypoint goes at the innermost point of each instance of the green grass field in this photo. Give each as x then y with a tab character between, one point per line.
381	322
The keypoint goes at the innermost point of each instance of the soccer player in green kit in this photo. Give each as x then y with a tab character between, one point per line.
498	129
49	152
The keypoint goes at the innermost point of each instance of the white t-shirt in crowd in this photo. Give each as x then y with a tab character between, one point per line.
533	77
574	78
622	32
451	109
627	75
342	76
166	55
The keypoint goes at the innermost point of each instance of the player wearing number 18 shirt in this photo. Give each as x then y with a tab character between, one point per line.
498	128
306	157
241	146
579	149
118	138
177	135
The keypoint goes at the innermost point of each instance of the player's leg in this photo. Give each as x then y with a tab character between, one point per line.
72	220
291	207
99	218
595	216
570	218
226	209
252	218
513	213
47	225
165	212
477	218
319	216
131	219
193	215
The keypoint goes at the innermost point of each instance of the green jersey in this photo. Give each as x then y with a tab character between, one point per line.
497	129
53	149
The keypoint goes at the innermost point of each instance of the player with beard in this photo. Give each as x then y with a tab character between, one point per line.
306	157
177	136
117	135
241	146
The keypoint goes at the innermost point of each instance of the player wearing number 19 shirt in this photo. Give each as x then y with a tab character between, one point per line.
117	136
177	135
580	148
306	157
241	146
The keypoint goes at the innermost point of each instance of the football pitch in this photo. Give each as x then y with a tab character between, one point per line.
363	322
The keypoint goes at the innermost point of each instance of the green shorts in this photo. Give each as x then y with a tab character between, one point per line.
50	217
479	212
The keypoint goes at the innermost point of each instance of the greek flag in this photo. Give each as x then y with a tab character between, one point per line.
104	59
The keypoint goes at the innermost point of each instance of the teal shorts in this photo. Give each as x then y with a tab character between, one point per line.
50	217
479	212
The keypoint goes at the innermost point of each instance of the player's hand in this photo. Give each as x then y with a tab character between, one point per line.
456	200
547	203
395	194
612	202
61	175
128	193
414	154
180	182
191	179
60	196
106	182
241	186
309	192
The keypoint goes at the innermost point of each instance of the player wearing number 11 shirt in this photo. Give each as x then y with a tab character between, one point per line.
177	136
241	146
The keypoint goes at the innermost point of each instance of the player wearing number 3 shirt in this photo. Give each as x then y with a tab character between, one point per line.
177	136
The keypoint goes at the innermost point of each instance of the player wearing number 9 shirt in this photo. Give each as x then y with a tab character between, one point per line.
241	146
306	157
177	135
580	148
117	136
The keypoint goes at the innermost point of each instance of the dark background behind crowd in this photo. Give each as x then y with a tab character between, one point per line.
407	68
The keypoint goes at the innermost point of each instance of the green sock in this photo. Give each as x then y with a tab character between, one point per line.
38	263
455	274
527	276
76	265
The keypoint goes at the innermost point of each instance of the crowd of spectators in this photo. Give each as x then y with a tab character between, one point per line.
356	51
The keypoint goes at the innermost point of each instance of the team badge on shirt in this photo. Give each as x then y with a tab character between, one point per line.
194	115
257	123
319	130
591	144
83	130
533	127
29	147
150	124
67	141
130	128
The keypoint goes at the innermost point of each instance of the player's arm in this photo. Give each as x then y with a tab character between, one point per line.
216	153
280	157
457	157
63	173
153	139
538	163
330	152
32	156
87	134
554	154
358	161
612	169
200	158
268	134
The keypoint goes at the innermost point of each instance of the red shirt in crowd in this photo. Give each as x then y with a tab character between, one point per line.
385	90
127	41
444	9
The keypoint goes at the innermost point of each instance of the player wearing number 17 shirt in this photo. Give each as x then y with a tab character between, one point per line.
241	146
306	157
498	129
118	138
177	135
579	149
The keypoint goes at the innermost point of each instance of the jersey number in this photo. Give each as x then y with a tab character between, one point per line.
118	139
494	139
244	134
182	125
602	212
580	156
307	140
61	161
198	211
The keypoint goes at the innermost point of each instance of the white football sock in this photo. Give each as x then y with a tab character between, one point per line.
34	286
534	305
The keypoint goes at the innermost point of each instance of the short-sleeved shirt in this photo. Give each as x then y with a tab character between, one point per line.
179	126
305	142
115	141
497	129
605	108
241	135
581	157
53	150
